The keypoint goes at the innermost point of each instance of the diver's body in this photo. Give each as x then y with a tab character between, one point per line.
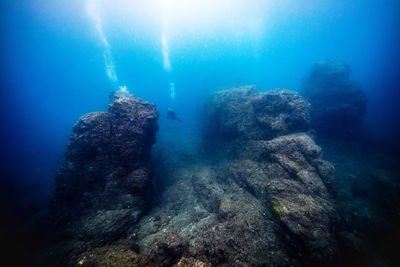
172	115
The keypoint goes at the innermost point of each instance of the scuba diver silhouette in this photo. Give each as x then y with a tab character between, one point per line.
172	115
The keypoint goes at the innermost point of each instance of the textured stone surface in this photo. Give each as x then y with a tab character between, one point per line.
264	203
190	262
283	170
338	104
118	255
101	187
298	194
258	199
244	113
206	215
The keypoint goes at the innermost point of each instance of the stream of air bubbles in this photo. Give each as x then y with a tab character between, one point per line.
93	11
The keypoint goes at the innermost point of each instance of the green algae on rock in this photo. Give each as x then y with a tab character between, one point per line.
278	208
119	255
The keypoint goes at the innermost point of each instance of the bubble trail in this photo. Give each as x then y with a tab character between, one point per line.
172	90
165	52
94	14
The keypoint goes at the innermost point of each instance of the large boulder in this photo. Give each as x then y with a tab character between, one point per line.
101	187
338	104
243	113
289	176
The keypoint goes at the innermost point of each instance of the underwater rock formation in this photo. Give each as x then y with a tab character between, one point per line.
102	184
206	215
243	114
289	180
338	104
259	197
278	162
264	203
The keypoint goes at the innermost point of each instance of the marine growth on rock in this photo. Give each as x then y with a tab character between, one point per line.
258	196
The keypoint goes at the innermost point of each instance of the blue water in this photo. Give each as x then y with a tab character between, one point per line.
53	70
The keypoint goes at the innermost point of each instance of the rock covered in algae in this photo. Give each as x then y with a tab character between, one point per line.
102	184
290	183
264	203
190	262
119	255
278	162
243	113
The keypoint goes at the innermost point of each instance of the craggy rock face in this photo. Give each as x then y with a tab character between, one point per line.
243	113
280	166
300	197
338	104
266	204
289	177
101	186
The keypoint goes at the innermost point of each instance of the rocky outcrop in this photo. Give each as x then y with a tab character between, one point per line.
101	187
338	104
279	163
206	215
244	114
290	182
259	197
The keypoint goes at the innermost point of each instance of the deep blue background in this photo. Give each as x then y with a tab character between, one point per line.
52	70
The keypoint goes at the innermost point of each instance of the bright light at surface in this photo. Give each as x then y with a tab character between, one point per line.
186	15
195	12
179	24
